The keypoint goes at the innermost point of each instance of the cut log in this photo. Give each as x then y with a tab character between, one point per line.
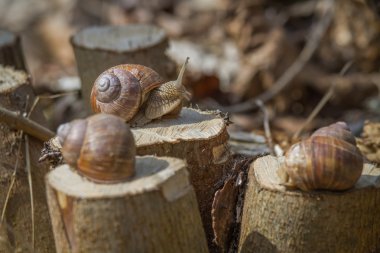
279	220
10	50
200	138
16	94
154	211
99	48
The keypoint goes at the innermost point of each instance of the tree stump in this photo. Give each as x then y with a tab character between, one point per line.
99	48
10	50
16	94
198	137
279	220
154	211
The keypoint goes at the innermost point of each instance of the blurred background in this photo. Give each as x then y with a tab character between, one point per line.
238	49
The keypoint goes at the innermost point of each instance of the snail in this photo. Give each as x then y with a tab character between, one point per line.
327	160
100	147
137	93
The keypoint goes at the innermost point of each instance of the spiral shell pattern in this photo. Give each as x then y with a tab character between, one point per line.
108	87
122	89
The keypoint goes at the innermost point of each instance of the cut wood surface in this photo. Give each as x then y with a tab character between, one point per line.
279	220
16	94
191	125
10	50
99	48
198	137
154	211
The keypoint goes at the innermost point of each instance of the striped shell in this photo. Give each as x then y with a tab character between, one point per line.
328	160
338	130
100	147
121	90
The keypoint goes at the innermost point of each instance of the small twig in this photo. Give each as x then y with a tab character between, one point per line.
13	179
39	97
57	95
29	173
268	134
17	121
35	102
305	55
323	101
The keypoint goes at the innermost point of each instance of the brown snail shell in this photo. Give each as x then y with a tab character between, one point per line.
328	159
122	89
137	93
100	147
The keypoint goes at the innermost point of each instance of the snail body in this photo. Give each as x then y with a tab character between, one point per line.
137	93
328	160
100	147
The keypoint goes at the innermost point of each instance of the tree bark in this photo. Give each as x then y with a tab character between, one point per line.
16	94
10	50
279	220
99	48
200	138
154	211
